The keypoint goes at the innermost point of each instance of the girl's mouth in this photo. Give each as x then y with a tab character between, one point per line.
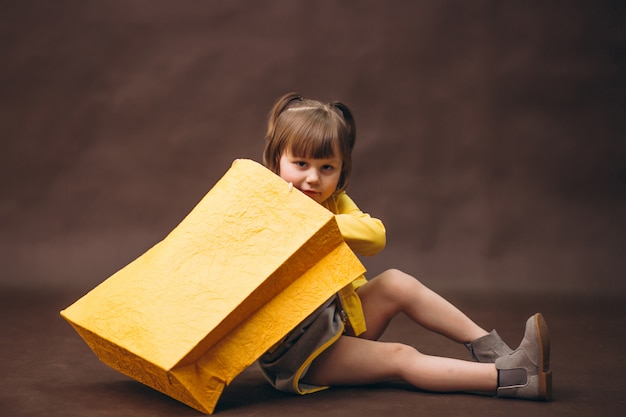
313	195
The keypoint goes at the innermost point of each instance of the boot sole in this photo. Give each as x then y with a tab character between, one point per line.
545	373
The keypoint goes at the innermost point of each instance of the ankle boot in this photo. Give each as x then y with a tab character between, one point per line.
488	348
525	372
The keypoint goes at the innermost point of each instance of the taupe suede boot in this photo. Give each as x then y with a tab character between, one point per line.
488	348
525	372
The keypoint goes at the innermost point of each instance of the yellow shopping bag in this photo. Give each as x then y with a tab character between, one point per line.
251	261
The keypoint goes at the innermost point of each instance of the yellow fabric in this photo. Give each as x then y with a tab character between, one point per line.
351	305
251	261
366	236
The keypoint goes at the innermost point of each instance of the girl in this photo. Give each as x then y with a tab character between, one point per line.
309	144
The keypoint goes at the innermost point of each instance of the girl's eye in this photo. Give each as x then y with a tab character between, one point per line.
300	163
328	167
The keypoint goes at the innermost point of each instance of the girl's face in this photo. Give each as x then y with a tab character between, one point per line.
317	178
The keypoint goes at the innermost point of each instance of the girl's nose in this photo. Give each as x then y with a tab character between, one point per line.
312	176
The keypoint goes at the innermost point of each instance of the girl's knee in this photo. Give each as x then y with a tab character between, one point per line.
396	281
400	350
401	356
386	295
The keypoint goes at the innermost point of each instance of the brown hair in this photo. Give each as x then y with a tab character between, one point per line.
310	129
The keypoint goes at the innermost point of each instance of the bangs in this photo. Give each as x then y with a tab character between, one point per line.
314	135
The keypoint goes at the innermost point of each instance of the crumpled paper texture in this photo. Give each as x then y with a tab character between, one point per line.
252	260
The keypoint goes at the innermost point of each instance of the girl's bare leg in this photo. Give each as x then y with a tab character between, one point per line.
394	291
356	361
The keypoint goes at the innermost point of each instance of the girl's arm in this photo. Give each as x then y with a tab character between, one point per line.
364	234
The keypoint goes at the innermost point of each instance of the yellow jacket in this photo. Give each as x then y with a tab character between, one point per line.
366	236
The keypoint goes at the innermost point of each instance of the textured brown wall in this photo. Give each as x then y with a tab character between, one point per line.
491	133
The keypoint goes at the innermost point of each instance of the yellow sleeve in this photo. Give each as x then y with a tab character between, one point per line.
364	234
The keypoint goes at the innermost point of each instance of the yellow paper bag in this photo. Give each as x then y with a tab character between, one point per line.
252	260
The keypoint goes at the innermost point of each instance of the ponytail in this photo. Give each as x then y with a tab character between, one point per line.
281	104
349	119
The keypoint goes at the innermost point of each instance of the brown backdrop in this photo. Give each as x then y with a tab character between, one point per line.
491	133
490	142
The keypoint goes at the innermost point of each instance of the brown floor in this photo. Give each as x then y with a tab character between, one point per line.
48	370
490	142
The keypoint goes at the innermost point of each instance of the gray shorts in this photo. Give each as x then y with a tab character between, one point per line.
282	365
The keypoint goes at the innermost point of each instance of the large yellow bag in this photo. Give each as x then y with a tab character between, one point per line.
251	261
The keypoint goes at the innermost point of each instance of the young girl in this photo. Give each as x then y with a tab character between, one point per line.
309	144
